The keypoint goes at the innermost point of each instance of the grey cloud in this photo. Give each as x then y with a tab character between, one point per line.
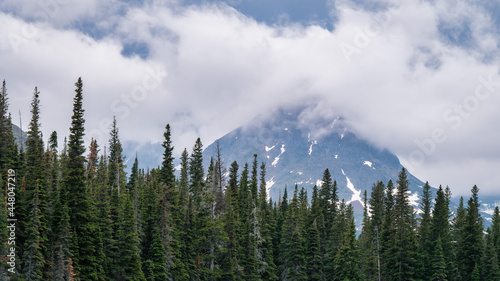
222	69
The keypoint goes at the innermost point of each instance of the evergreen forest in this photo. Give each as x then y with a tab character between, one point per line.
72	213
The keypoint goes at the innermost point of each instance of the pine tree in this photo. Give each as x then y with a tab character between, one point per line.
267	266
346	262
424	233
7	144
440	230
280	212
314	262
152	249
438	263
253	238
403	251
129	261
254	180
167	167
366	241
471	243
200	225
495	230
329	200
230	264
132	184
489	262
168	198
33	261
61	255
196	171
116	166
292	245
92	162
87	245
35	179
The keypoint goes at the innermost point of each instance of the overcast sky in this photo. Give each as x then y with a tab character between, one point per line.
420	78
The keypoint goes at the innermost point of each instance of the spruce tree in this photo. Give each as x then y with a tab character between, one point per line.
366	241
403	251
314	261
7	144
440	230
471	244
200	225
387	233
293	260
424	233
329	200
129	261
87	246
254	180
196	171
495	230
229	263
346	263
116	166
167	167
438	263
62	265
33	260
267	266
35	179
152	249
489	262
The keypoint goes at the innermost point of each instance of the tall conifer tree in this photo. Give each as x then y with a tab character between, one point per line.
87	243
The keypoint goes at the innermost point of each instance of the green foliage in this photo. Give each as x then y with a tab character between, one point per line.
87	242
167	168
346	264
116	173
471	244
7	144
79	220
128	244
314	262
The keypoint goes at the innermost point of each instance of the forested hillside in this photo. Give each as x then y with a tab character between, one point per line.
73	214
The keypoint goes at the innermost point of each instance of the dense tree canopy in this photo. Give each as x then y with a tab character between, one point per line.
81	218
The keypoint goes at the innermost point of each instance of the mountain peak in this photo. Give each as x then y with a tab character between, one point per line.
298	143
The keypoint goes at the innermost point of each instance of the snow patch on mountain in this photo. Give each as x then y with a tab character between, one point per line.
269	184
277	158
342	135
312	143
414	200
489	208
269	148
356	194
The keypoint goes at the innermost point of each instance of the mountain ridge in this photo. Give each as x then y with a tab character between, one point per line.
296	155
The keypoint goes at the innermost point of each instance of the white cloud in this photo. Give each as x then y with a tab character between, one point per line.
222	68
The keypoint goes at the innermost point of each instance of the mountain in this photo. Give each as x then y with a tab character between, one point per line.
298	149
19	135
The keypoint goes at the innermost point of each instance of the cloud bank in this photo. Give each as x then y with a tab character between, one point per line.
419	78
